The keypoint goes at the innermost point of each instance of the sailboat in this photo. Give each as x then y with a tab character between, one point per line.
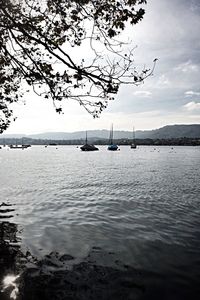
22	146
112	146
16	146
133	145
88	147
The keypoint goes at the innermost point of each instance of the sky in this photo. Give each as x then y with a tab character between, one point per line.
169	32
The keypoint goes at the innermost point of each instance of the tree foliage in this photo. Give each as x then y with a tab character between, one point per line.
37	42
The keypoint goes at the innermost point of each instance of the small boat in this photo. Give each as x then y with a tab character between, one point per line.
17	146
22	146
88	147
112	146
133	144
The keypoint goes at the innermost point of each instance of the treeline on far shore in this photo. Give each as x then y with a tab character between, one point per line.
148	142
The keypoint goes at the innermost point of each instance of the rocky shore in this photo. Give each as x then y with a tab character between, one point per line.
99	276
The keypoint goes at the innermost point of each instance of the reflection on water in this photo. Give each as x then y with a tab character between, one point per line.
59	276
9	252
119	225
9	281
100	275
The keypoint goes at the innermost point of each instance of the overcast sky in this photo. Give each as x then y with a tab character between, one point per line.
169	32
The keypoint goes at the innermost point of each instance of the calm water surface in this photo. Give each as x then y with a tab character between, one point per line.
141	204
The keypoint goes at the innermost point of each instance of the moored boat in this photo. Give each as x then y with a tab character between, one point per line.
17	146
112	146
133	144
88	147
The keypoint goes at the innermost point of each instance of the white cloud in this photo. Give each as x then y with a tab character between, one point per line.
176	76
194	6
144	94
163	81
191	106
187	67
192	93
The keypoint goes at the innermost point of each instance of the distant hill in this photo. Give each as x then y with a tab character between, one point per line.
171	131
166	132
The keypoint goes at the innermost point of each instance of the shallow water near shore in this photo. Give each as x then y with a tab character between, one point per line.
128	211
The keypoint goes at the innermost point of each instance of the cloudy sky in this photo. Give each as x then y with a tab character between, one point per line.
169	32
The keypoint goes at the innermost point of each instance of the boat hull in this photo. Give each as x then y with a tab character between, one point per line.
113	147
88	147
18	147
133	146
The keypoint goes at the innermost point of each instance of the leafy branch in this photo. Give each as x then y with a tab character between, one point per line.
36	51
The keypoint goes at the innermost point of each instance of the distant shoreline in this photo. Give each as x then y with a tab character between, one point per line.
121	142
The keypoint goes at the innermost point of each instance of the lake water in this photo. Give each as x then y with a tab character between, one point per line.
142	205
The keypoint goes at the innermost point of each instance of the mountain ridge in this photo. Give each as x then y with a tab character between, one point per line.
166	132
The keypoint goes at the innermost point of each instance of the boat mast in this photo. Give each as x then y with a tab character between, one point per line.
86	137
111	134
133	134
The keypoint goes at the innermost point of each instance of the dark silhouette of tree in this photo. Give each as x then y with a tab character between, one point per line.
37	39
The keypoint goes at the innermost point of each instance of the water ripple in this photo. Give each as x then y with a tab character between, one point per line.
132	202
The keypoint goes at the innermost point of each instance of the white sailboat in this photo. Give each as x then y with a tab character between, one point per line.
112	146
133	144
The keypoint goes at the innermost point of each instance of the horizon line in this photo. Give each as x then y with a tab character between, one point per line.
46	132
